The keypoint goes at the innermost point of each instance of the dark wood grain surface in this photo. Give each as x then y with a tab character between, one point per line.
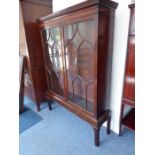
35	85
77	44
128	97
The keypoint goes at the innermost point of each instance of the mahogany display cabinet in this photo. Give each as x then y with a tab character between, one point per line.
128	98
35	78
78	44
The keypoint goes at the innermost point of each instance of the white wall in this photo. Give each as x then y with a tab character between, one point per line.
59	5
119	53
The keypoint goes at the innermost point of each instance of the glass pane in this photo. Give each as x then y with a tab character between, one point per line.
79	57
54	66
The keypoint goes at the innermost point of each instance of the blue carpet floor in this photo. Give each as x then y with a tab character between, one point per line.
62	133
27	119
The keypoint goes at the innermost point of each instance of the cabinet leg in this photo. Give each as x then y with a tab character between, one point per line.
97	137
120	130
108	125
38	107
120	122
49	105
22	107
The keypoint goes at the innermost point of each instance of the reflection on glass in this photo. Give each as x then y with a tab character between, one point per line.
79	48
54	60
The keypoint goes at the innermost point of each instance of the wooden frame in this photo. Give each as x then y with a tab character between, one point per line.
21	82
128	97
97	18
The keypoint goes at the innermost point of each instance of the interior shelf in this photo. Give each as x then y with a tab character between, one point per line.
129	120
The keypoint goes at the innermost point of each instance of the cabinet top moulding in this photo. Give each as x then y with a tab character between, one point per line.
39	2
132	5
86	4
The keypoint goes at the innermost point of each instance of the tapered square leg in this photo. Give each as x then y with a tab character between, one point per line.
120	121
96	137
49	105
22	108
38	107
108	125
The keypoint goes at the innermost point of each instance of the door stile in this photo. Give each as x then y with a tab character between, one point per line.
64	64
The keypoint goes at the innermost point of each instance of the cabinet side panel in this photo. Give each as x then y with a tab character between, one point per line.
32	11
39	82
129	79
104	69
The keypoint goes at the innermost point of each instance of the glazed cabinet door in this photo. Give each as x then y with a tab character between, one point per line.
79	42
54	60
